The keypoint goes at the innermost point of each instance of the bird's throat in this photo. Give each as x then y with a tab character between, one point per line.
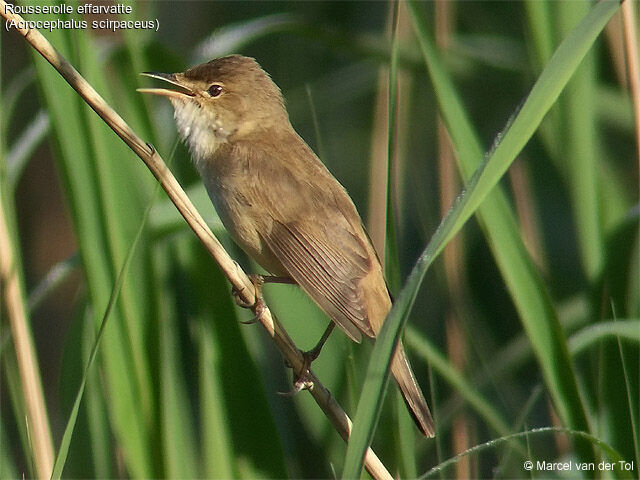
200	128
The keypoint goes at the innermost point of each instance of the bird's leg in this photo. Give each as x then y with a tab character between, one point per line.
302	380
277	279
312	354
258	305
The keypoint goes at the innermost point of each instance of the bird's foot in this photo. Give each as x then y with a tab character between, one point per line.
258	306
302	380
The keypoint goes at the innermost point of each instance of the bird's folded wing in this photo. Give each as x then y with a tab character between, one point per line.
328	269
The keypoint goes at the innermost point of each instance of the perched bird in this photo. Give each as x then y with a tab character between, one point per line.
280	203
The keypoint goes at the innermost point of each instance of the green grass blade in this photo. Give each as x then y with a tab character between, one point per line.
632	399
217	444
580	152
61	457
534	307
178	434
613	455
105	189
56	275
234	37
68	120
592	335
25	145
97	423
540	21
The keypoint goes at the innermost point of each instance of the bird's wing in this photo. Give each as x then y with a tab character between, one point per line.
328	268
311	226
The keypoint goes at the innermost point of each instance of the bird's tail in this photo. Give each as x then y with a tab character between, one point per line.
401	371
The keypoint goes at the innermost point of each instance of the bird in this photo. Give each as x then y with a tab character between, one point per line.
280	203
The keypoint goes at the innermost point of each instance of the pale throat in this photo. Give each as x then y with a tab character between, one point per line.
200	128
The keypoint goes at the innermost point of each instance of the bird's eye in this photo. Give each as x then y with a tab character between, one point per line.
214	90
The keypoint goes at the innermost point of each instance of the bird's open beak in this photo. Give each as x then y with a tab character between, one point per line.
172	79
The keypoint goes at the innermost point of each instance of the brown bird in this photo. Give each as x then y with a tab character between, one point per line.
280	203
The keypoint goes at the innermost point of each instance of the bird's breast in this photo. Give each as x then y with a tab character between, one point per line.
230	188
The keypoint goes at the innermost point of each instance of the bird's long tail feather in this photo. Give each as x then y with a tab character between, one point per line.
401	371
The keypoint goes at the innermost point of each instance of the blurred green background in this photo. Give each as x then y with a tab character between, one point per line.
180	388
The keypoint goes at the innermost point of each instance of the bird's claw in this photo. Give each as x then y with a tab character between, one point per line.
302	381
300	384
258	305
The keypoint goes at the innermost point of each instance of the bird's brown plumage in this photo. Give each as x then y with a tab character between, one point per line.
281	204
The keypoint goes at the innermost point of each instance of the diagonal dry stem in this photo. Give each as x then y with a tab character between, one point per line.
230	268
